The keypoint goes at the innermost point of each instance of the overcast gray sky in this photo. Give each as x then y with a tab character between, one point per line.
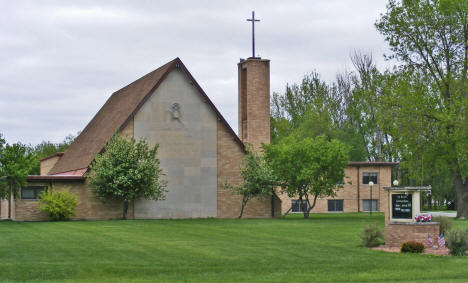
61	60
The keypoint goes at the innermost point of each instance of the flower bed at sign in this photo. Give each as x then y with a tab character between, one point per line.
423	218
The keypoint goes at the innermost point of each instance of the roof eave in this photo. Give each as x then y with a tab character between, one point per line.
32	178
372	163
410	188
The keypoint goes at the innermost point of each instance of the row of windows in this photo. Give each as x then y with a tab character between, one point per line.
336	205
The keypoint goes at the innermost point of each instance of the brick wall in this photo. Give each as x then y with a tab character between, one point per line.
28	210
89	207
397	234
350	192
254	101
230	156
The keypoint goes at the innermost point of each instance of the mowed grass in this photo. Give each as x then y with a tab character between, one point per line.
325	247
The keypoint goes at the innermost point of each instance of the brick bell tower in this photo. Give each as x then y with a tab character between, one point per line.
254	97
254	101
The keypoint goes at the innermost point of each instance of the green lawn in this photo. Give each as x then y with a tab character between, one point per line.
322	248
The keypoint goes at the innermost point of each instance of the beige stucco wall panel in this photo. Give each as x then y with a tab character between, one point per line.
187	147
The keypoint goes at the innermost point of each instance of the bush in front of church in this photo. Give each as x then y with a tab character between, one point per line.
372	236
58	205
412	247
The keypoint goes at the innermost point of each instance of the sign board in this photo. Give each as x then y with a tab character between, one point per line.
402	206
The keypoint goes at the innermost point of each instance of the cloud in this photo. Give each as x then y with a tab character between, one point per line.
61	60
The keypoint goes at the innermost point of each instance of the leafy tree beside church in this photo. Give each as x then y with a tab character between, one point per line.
258	179
127	170
310	167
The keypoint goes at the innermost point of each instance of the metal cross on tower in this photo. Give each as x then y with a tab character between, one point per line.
253	20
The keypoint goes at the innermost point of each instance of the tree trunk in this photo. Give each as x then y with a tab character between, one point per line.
313	204
125	208
244	203
379	144
304	207
9	203
461	193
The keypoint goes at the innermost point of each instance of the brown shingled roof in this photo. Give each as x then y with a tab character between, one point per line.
118	110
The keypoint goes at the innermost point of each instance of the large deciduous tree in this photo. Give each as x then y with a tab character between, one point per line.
309	167
347	109
127	170
430	38
257	178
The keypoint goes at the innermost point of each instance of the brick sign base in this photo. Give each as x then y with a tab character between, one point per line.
399	233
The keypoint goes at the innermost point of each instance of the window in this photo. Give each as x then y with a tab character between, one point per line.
335	205
366	205
296	205
32	192
370	176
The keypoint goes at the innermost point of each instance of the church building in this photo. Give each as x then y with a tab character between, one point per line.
198	149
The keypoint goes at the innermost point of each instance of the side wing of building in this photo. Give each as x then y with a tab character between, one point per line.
355	196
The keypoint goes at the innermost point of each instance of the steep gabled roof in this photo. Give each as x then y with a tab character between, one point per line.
118	110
